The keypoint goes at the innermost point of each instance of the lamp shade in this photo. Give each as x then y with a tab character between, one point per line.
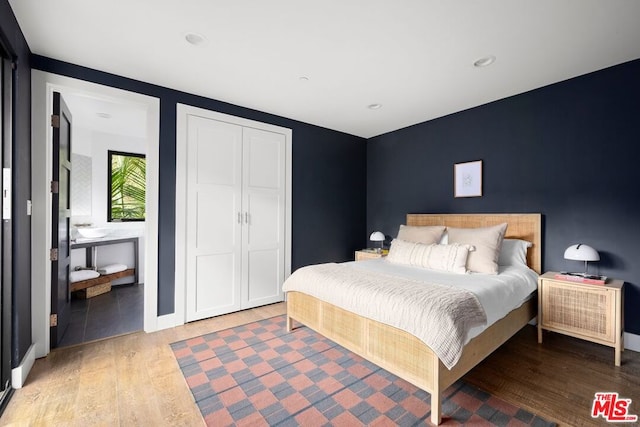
377	236
581	252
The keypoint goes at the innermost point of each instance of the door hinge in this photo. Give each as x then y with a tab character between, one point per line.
55	187
55	121
53	254
53	320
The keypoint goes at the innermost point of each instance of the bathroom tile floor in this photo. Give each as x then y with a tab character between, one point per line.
117	312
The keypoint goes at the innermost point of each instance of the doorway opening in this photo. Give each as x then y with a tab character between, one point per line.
106	282
97	118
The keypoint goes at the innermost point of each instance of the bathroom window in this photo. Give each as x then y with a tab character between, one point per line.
127	182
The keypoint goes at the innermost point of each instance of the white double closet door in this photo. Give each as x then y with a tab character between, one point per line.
235	217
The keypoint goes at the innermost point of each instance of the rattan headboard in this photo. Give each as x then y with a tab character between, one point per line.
520	226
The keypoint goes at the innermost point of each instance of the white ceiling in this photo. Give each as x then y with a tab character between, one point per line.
99	114
415	57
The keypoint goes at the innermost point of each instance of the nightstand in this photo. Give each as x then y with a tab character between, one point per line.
590	312
369	254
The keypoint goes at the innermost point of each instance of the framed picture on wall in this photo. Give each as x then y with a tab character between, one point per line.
467	179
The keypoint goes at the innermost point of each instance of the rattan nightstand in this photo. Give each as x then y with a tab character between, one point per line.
369	254
590	312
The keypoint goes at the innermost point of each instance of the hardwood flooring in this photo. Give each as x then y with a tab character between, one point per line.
134	380
558	378
130	380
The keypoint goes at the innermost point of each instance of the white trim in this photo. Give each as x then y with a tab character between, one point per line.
182	112
19	374
168	321
181	224
631	341
42	86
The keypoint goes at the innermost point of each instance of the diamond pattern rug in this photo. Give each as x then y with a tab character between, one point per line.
259	374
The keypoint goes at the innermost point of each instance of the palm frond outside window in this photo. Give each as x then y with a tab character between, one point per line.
127	186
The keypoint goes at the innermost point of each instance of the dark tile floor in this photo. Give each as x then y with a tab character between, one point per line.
117	312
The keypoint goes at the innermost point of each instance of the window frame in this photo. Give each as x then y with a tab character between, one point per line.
110	154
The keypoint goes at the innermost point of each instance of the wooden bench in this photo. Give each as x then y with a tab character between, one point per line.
99	285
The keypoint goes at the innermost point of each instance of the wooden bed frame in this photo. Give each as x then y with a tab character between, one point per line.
402	353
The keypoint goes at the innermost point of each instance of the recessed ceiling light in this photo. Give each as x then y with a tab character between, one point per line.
303	78
195	39
104	115
374	106
485	61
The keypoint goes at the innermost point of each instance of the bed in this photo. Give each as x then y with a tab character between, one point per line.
404	354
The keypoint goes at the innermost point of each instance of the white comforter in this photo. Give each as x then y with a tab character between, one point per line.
403	305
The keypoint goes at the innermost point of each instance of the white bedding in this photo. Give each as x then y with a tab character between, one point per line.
497	294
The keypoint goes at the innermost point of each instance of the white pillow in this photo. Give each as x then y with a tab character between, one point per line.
452	258
487	242
514	252
425	234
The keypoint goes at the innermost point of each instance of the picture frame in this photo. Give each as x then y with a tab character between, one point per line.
467	179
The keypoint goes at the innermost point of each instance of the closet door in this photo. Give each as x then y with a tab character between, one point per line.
214	221
263	201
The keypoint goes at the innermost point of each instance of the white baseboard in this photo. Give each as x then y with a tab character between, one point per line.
20	373
631	341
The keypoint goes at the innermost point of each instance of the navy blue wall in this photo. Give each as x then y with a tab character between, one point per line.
570	151
15	42
329	171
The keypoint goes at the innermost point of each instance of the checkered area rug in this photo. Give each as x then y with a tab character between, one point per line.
259	374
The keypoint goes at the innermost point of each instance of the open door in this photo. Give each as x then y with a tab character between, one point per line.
61	216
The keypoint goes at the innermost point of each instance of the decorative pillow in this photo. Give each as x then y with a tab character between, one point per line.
514	252
451	258
425	234
487	242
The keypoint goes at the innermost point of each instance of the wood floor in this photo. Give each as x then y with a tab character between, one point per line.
558	378
131	380
134	380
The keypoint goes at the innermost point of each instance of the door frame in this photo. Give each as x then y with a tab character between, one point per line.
182	112
7	92
43	84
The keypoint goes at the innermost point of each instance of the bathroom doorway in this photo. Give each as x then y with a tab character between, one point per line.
106	281
102	127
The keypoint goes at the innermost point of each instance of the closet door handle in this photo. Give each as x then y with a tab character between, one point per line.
246	218
240	218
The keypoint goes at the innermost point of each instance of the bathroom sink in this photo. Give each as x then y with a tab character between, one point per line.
91	233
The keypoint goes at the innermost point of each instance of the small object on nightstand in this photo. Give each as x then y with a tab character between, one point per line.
370	254
378	236
593	312
591	279
581	252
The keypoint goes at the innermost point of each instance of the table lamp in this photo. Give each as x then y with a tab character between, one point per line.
581	252
377	236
